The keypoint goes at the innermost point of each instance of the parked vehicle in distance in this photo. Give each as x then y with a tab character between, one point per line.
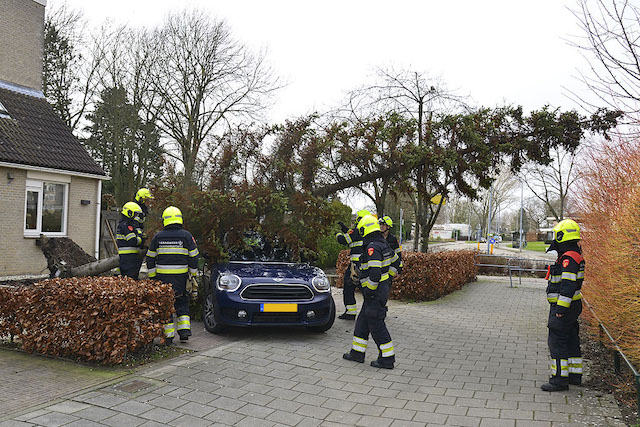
259	286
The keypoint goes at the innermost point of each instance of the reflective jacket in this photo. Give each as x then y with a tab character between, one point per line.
395	246
352	239
565	280
172	256
128	236
376	261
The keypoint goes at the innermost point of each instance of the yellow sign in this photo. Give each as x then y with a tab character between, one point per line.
279	308
436	199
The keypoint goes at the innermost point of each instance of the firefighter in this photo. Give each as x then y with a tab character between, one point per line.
352	239
142	196
375	280
130	240
563	293
173	257
386	223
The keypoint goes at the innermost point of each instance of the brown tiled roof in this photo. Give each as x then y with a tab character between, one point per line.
35	135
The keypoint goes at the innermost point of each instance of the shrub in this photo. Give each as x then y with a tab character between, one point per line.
99	319
426	277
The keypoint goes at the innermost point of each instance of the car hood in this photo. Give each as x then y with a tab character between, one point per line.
273	270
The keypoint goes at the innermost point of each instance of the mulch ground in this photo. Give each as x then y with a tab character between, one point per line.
602	373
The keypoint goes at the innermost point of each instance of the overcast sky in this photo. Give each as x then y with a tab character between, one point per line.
496	51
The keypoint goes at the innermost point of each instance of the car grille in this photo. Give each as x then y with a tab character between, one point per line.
276	318
277	292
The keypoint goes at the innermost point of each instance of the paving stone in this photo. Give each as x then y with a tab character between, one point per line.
95	413
123	420
68	407
54	419
160	415
225	417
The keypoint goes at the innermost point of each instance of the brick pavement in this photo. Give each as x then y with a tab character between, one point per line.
474	358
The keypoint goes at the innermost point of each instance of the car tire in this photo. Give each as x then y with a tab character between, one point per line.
209	317
332	317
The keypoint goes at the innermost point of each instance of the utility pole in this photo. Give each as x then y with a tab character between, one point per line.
489	219
469	237
521	211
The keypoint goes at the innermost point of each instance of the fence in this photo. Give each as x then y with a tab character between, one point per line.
512	265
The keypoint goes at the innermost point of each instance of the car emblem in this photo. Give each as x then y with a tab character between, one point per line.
277	279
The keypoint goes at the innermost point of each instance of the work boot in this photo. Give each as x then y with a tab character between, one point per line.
554	387
349	356
575	381
168	341
347	316
184	334
383	365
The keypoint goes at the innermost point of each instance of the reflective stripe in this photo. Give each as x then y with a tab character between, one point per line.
359	344
169	330
152	272
369	284
564	368
346	236
552	297
193	271
352	308
569	276
152	254
184	322
575	365
554	368
355	257
577	295
564	301
355	244
373	263
387	349
172	269
194	252
393	271
130	236
580	275
398	250
555	279
128	250
387	262
173	251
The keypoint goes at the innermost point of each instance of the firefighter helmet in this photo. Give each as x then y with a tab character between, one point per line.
132	210
566	230
386	220
368	225
361	214
143	194
171	215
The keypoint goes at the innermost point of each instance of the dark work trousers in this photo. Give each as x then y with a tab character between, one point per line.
130	265
564	345
348	292
371	321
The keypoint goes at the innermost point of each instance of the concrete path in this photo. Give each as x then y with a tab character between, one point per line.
474	358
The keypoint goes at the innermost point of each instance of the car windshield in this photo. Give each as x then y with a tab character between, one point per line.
254	246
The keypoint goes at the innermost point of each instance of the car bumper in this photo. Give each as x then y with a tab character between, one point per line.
228	305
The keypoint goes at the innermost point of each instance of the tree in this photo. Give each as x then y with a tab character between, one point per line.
204	79
500	195
69	68
126	145
610	44
551	184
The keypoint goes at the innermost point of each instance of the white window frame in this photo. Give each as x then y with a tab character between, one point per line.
38	185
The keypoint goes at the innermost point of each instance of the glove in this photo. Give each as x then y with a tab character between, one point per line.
355	274
192	287
343	227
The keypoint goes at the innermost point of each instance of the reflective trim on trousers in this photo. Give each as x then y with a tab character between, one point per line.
352	308
575	365
387	349
169	330
564	368
359	344
184	322
128	250
172	269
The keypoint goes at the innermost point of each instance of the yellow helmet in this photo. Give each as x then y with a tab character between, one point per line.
386	220
133	210
171	215
361	214
566	230
368	225
143	194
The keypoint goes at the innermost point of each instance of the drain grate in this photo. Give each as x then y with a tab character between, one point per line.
132	386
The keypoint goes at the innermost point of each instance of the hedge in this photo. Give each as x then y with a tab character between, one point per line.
98	319
426	277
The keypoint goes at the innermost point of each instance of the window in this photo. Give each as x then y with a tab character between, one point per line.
46	208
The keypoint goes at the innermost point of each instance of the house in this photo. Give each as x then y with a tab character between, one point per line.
48	182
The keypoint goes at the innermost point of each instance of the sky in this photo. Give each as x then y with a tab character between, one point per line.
495	51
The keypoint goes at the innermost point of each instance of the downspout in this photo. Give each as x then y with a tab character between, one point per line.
98	211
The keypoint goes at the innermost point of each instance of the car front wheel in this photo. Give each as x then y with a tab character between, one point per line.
211	322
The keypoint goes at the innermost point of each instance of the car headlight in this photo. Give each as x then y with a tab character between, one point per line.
228	282
321	283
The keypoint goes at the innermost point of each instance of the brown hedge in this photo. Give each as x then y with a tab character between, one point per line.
426	277
99	319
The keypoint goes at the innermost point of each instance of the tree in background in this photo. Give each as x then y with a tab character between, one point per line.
127	147
69	67
203	80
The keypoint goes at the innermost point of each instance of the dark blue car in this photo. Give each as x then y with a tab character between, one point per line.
268	293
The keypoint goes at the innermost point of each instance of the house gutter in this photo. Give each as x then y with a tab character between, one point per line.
52	170
98	210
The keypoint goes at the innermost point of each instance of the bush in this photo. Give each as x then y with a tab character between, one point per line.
99	319
426	277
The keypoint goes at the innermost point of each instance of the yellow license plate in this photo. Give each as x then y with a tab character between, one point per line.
279	308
